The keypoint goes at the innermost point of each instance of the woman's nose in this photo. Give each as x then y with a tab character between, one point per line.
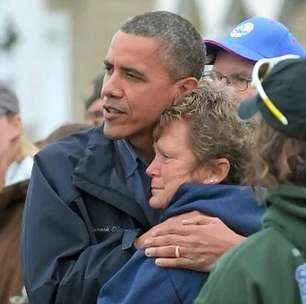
153	169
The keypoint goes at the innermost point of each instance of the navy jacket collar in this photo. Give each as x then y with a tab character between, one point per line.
99	172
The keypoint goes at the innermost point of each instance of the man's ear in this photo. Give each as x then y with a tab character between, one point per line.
187	84
219	171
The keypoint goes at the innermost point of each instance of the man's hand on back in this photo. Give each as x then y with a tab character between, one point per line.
191	240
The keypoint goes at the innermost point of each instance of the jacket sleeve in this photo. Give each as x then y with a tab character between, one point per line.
230	283
139	281
60	263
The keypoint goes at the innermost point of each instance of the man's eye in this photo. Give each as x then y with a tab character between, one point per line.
240	79
243	78
133	76
220	77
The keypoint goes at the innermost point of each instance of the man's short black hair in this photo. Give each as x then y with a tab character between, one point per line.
182	50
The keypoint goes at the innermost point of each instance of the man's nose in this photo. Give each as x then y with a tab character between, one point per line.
112	87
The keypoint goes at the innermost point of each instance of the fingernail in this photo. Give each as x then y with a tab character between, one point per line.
157	262
148	252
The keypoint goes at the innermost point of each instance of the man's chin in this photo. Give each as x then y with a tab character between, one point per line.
113	133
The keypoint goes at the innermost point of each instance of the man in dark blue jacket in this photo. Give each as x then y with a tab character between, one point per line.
87	198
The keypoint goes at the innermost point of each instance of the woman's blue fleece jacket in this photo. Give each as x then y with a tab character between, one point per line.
141	281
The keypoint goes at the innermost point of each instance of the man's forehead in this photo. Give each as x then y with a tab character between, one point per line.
128	51
136	44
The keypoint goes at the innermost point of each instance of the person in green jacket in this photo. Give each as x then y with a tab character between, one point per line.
270	266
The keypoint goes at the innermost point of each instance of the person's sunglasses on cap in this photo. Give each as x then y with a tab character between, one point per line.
260	71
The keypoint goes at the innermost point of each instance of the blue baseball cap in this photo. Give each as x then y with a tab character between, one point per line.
256	38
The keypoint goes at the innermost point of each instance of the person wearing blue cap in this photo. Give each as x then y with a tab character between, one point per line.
235	54
270	267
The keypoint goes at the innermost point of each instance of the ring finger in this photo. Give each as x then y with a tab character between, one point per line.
165	252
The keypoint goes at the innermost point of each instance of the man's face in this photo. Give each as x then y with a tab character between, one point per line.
174	164
236	68
136	87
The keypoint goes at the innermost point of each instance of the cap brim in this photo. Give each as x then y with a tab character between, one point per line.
247	108
213	46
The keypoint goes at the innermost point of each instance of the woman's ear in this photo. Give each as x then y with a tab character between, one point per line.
219	170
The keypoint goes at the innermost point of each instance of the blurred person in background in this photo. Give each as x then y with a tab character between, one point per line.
233	57
16	151
270	267
62	131
12	199
94	103
16	160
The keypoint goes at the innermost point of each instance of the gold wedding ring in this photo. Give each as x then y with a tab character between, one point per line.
177	252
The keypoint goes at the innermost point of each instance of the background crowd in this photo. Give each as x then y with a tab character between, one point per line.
116	211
